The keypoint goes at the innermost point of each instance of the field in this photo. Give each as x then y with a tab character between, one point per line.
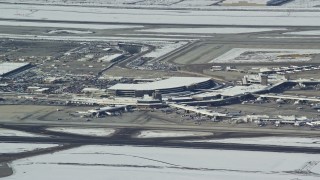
123	162
253	55
148	16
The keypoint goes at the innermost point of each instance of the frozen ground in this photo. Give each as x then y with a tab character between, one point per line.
253	2
109	57
277	141
101	132
126	162
163	45
159	133
211	30
166	35
22	147
135	3
67	31
197	3
302	3
315	32
92	38
164	48
164	3
290	37
156	16
9	132
244	55
66	25
119	2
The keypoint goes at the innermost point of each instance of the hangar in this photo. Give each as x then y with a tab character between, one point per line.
165	86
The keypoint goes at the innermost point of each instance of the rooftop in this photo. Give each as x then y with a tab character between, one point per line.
233	91
7	67
172	82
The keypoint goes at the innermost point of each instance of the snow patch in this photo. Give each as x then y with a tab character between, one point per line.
211	30
9	132
90	38
276	141
125	162
254	55
22	147
66	31
159	134
262	17
163	48
101	132
66	25
315	32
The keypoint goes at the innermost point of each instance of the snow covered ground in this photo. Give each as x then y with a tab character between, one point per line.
92	38
22	147
156	16
127	162
164	48
315	32
163	45
197	3
66	25
9	132
211	30
109	57
127	3
244	55
202	4
101	132
164	3
67	31
160	133
290	37
244	2
277	141
302	3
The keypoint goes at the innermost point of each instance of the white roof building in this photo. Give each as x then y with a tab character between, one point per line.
170	85
7	67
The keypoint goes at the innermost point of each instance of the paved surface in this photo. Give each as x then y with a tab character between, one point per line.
126	136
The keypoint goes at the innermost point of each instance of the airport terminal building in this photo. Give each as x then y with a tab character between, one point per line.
166	86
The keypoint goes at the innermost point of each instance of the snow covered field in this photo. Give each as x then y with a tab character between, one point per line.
66	31
157	16
9	132
243	55
197	3
302	3
101	132
164	48
165	3
315	32
159	134
163	45
109	57
117	2
66	25
277	141
127	162
93	38
22	147
211	30
244	2
126	3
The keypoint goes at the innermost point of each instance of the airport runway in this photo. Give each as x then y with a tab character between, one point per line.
178	127
126	136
